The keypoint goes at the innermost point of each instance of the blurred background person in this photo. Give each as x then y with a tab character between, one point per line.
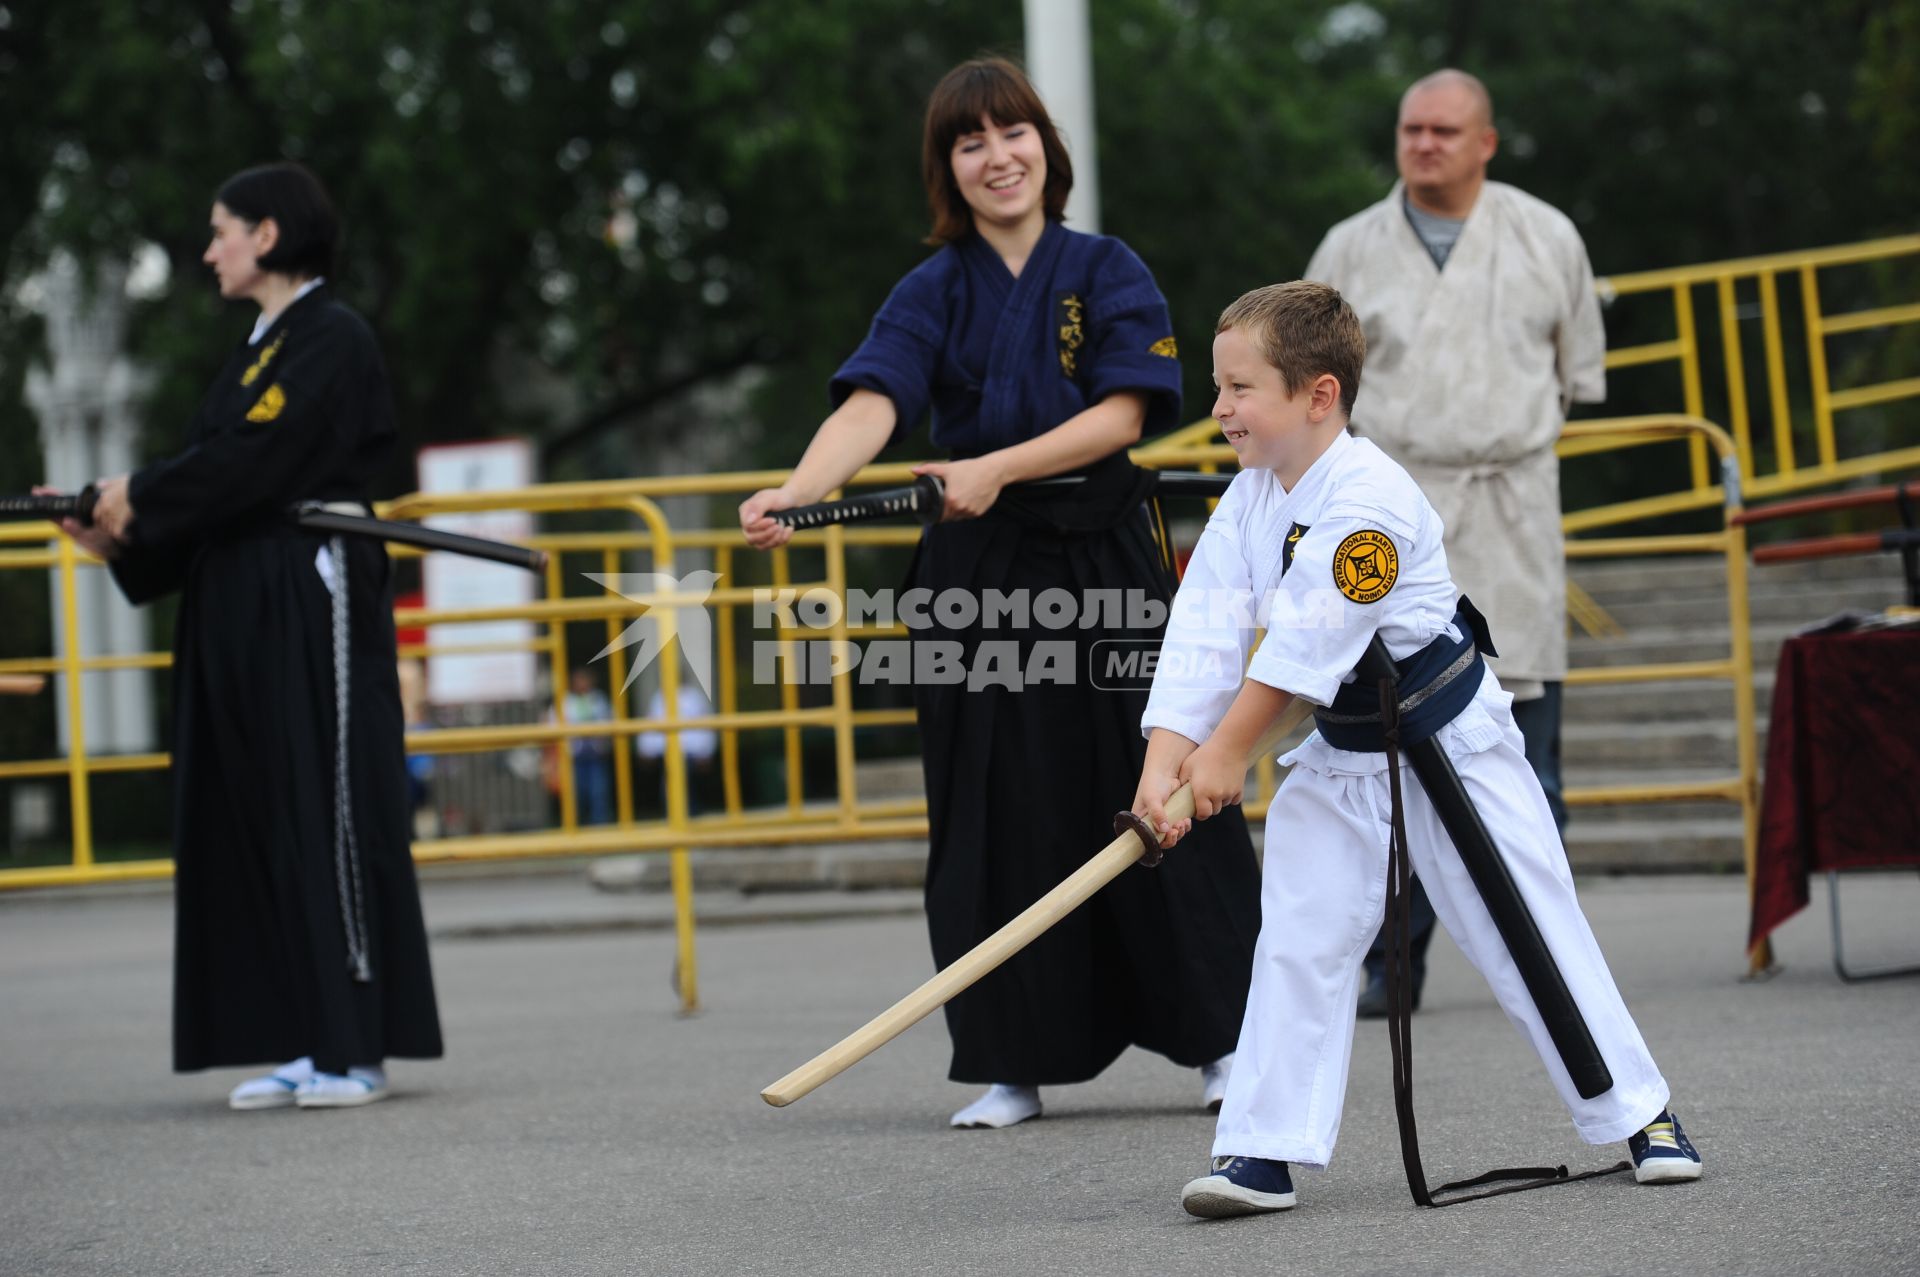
592	755
699	745
1483	329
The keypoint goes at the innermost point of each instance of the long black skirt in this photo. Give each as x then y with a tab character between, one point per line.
1022	787
261	966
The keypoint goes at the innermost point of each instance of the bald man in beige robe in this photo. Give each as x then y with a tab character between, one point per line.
1482	329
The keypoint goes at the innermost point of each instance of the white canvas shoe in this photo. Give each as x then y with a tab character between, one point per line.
272	1090
1213	1082
333	1091
1000	1106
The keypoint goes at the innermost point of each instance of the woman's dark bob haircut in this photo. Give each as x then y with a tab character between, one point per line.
998	90
298	205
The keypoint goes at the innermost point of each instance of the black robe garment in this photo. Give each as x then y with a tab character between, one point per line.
1022	788
261	972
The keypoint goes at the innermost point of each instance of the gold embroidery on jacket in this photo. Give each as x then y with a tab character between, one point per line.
252	374
1069	318
270	404
1165	346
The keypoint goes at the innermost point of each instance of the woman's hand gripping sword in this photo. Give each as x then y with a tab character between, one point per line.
1129	846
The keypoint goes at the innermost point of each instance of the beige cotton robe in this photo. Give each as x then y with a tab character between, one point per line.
1469	374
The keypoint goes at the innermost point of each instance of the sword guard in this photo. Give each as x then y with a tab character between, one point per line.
1151	853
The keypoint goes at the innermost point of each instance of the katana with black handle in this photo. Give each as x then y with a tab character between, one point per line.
925	498
313	516
51	507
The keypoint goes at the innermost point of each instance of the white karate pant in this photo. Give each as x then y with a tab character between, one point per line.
1322	901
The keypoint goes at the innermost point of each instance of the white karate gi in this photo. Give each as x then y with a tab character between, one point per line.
1324	887
1470	372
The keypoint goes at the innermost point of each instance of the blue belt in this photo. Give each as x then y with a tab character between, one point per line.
1435	684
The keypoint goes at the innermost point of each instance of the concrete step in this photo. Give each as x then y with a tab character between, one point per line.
1686	700
1708	640
1661	747
1625	578
1698	845
856	866
1801	604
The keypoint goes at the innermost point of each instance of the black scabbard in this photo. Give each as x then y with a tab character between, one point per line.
316	519
1511	917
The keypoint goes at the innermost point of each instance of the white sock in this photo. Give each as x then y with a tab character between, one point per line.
1001	1106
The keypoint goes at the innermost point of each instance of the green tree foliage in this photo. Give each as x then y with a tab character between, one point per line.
639	197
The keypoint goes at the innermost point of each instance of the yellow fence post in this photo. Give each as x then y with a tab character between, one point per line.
674	759
1817	366
617	699
557	673
1690	378
842	654
729	685
1776	375
1740	618
1736	374
76	708
789	688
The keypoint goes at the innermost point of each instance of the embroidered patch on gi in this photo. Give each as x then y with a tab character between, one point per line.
1294	534
1166	346
270	404
1365	566
252	374
1069	316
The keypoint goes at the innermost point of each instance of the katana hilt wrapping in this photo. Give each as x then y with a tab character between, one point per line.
926	500
52	507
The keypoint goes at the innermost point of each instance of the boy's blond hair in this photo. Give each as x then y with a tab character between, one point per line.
1303	329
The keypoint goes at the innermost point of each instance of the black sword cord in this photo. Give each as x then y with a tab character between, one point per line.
1400	995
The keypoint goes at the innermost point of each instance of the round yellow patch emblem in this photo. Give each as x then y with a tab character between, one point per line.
1366	566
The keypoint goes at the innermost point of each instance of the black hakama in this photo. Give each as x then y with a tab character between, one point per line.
1022	786
298	923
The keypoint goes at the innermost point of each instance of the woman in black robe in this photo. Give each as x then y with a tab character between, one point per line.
1041	352
298	934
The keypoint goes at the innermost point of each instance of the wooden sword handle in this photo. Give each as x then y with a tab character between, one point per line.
1010	939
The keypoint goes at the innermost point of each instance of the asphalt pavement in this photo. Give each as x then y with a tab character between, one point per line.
579	1124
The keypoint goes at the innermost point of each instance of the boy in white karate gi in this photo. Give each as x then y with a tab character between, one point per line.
1326	542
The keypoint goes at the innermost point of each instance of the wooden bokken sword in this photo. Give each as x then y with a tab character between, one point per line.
1132	843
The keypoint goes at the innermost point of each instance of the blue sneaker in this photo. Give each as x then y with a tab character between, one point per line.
1239	1186
1662	1154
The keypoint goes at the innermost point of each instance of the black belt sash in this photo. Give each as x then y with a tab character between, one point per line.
1437	682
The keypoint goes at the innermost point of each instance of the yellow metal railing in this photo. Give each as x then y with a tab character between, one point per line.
846	817
1776	462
